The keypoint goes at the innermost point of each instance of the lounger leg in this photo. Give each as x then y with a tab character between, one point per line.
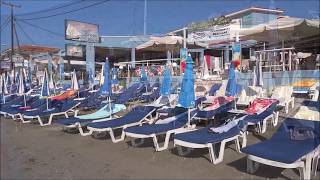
292	103
82	133
252	166
237	144
275	118
301	172
286	107
113	139
23	120
307	171
214	159
40	121
315	165
244	139
166	142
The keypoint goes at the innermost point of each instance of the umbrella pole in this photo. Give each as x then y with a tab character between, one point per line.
189	116
24	100
47	103
110	109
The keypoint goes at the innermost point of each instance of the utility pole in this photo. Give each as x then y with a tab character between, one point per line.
145	18
11	6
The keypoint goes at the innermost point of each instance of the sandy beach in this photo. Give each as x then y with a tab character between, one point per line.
29	151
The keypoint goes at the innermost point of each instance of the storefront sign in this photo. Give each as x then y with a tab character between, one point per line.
74	50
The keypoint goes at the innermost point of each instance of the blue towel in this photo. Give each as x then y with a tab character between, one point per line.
136	115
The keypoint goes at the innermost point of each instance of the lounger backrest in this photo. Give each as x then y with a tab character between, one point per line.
291	123
214	88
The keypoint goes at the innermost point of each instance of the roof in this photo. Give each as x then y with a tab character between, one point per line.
255	9
122	41
32	48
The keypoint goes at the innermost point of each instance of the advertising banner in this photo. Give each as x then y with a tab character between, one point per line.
80	31
219	32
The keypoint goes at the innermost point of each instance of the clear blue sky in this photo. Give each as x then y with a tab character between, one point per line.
125	17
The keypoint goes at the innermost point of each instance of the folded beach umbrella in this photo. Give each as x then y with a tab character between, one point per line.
105	89
74	81
21	86
52	84
1	84
101	75
4	88
257	77
5	85
45	90
29	75
144	77
166	82
231	89
187	94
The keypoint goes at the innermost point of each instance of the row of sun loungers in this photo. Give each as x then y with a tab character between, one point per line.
302	137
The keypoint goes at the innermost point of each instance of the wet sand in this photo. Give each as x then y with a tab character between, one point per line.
29	151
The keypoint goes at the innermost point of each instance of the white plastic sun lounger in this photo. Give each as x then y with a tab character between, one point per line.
286	150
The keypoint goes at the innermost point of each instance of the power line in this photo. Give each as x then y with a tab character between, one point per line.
27	35
51	8
5	24
67	12
41	28
5	21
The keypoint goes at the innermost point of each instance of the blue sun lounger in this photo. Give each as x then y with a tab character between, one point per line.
56	108
102	114
294	145
32	104
206	138
137	116
13	105
205	114
168	126
260	119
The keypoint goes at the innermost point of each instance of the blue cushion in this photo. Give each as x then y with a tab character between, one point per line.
148	129
203	136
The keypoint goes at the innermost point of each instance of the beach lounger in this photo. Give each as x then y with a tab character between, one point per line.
219	104
261	110
138	116
102	114
31	104
244	99
295	144
168	126
60	108
284	95
208	137
168	111
13	105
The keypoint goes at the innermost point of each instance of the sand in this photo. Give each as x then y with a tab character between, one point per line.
29	151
